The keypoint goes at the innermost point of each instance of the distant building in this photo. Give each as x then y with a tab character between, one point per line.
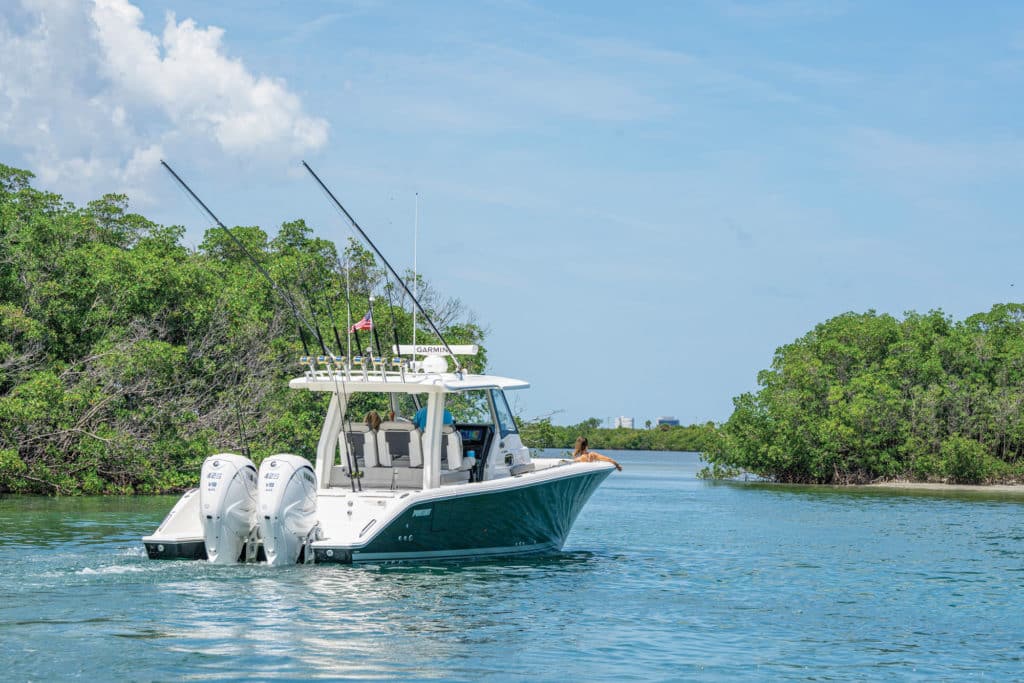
667	420
624	422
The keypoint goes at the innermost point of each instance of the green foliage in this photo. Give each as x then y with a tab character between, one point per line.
541	433
11	469
866	396
126	358
715	471
966	461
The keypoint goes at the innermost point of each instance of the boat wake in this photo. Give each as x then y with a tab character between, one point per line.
113	569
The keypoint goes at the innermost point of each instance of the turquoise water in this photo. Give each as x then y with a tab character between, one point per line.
664	577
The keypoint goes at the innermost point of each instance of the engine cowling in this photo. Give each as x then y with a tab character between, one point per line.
287	506
227	499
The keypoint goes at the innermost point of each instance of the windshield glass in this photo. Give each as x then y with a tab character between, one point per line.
470	407
505	422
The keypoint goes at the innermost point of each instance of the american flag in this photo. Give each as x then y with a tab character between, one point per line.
365	324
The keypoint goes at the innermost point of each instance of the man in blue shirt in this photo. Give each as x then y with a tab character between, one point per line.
420	419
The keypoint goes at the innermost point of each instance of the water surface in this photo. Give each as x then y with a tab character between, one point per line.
663	577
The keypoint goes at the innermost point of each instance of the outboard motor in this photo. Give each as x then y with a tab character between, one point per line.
287	514
227	499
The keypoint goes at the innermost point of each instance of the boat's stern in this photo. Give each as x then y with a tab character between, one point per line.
349	520
180	535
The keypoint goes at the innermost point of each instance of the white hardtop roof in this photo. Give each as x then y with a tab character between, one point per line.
412	384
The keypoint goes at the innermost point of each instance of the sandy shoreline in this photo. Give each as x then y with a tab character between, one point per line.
930	486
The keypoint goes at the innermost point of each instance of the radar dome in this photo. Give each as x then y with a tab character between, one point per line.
436	364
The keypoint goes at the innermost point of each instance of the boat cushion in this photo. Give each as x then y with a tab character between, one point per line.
363	442
399	440
452	447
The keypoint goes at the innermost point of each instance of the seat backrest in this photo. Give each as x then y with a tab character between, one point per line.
363	442
452	446
398	439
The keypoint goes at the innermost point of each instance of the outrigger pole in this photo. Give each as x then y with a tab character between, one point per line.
263	271
284	295
334	200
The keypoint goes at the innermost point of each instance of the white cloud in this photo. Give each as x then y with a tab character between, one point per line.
90	99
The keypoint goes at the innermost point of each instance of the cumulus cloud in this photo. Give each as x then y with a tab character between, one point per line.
91	99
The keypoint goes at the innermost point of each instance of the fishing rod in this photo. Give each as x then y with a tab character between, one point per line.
330	316
430	321
373	330
241	428
348	312
319	288
321	291
302	338
263	271
355	478
281	293
394	322
312	310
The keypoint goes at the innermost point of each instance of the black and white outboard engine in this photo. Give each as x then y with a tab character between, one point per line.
287	514
227	500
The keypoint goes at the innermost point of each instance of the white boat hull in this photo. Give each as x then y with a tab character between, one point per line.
524	514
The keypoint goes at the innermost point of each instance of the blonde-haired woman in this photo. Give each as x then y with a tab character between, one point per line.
583	454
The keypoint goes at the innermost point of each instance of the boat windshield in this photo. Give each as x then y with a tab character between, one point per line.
470	407
506	425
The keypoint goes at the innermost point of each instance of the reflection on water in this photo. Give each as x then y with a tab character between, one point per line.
373	620
664	577
35	521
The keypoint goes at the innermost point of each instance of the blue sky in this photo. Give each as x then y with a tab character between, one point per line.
640	201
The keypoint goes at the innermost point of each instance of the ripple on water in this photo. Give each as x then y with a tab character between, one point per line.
664	577
113	569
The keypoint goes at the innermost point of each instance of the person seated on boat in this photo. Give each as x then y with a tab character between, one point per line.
420	419
582	453
373	420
